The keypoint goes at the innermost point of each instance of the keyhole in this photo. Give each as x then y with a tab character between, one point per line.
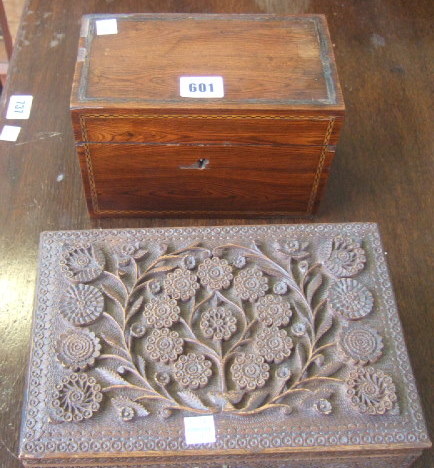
199	164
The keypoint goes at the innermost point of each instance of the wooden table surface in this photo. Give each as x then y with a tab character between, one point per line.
383	170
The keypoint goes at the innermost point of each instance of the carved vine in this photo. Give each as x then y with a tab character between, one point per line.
232	329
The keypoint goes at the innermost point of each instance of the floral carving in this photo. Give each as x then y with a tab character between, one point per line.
298	329
350	298
345	257
164	345
82	264
82	304
250	284
192	370
323	406
77	397
161	312
138	330
371	391
160	349
218	323
250	371
361	343
78	349
181	284
215	272
281	287
128	252
274	344
273	310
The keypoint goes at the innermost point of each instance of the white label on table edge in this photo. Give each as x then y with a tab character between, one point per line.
10	133
19	107
201	86
199	430
107	26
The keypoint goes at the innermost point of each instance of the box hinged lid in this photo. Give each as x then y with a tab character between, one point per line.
265	61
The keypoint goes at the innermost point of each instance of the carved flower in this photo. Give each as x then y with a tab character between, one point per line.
192	370
323	406
161	312
128	251
189	262
298	329
371	391
138	330
360	343
345	257
164	345
281	287
82	304
283	372
154	286
273	310
78	349
250	371
181	284
218	323
127	413
77	397
162	378
239	262
350	298
82	264
215	272
274	344
293	248
250	284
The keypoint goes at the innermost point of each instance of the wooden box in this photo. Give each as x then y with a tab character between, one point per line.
264	149
286	337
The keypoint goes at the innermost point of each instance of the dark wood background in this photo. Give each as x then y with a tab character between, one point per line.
383	170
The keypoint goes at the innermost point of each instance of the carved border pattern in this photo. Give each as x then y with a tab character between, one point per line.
35	439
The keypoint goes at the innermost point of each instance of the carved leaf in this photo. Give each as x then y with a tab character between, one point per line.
329	369
163	269
125	405
255	400
114	295
191	400
220	400
141	365
135	308
235	396
299	356
111	377
313	287
325	326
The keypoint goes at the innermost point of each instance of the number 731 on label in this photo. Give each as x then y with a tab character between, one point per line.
201	86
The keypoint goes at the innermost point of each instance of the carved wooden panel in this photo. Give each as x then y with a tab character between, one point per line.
288	335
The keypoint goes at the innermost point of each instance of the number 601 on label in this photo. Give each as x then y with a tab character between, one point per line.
201	86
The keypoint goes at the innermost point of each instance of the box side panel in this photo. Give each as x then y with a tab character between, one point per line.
148	180
245	461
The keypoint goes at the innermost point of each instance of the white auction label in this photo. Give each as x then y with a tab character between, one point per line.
201	86
19	107
10	133
107	26
199	430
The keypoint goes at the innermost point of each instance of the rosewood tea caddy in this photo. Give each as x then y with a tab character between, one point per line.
262	148
287	337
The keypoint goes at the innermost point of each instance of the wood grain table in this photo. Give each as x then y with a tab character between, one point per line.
383	170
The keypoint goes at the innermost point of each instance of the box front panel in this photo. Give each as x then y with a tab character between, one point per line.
128	179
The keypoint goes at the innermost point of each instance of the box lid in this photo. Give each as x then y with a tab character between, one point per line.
287	335
265	61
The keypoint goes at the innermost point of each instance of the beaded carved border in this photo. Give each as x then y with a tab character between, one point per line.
41	436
